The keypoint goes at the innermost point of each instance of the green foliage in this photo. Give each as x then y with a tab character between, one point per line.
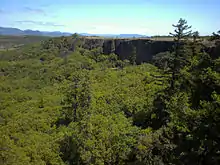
15	42
77	98
104	139
163	60
180	57
154	148
61	104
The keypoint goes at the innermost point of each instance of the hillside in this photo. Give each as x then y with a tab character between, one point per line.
77	101
10	42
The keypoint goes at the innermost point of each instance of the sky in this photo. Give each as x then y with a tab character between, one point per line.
147	17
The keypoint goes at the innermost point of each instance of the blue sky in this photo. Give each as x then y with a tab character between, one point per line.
150	17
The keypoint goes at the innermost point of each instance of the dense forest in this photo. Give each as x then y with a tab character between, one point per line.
61	104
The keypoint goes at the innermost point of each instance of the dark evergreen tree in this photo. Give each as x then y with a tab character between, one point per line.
181	34
215	36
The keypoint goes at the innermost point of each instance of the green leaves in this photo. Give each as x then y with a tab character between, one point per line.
105	139
78	97
61	104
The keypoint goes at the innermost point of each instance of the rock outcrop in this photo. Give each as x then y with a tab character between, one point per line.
214	49
145	48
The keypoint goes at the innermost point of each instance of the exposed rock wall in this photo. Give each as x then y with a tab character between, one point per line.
214	50
145	48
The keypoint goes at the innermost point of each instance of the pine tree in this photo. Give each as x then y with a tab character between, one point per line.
181	33
215	36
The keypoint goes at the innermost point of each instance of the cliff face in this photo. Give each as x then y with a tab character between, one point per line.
145	49
214	50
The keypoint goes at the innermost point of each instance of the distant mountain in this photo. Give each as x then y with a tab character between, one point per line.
115	35
131	35
10	31
18	32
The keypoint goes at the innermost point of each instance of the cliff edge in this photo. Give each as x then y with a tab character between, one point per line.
145	49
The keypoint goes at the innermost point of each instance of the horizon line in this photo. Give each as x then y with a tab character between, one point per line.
144	35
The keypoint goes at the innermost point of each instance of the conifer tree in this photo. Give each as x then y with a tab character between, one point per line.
181	33
215	36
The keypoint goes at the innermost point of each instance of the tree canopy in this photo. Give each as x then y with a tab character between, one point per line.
61	104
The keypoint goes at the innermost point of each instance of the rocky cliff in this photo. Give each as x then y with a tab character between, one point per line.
214	49
145	48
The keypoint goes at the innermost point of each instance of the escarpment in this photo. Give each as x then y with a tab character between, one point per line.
145	48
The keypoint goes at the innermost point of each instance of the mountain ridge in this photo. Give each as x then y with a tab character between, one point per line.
19	32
